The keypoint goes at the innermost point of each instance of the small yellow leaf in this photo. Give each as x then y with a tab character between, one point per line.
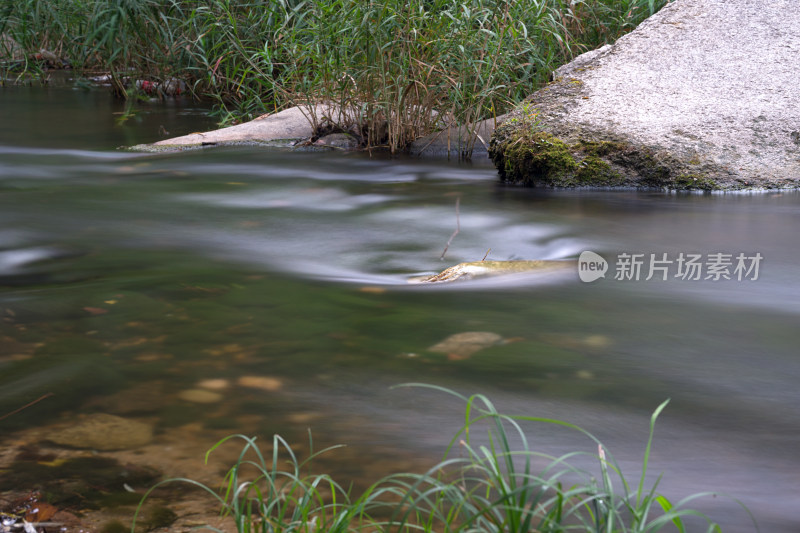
54	463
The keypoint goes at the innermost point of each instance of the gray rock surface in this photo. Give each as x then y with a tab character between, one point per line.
292	123
704	91
280	129
288	127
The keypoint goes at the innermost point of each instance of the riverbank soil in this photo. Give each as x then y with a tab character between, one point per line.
702	95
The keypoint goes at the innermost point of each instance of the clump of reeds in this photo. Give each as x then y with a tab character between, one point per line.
494	487
393	70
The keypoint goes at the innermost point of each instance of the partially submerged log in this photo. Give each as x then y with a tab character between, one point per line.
466	271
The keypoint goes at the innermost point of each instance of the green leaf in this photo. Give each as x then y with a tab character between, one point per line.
666	505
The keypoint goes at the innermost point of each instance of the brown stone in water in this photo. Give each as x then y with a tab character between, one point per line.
463	345
101	431
265	383
200	396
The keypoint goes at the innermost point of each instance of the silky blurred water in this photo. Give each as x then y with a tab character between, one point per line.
120	269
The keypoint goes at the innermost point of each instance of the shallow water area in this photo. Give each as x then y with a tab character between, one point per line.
243	290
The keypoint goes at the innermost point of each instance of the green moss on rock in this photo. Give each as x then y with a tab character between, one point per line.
533	156
527	152
601	148
595	172
539	155
695	182
650	170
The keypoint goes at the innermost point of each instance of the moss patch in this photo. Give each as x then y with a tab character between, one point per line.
535	156
601	148
540	155
649	169
695	182
525	153
595	172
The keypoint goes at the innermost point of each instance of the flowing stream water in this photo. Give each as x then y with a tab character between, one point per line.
273	287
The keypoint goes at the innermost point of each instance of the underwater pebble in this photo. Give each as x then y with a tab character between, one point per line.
103	432
199	396
260	382
597	341
463	345
214	384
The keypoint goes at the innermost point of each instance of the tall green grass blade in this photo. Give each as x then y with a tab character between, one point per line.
646	460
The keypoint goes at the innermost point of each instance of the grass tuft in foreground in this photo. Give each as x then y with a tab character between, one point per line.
490	480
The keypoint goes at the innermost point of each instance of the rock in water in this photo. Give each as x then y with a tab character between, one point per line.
341	141
691	99
200	396
104	432
265	383
463	345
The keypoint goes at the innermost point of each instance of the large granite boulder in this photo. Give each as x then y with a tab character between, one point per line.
702	95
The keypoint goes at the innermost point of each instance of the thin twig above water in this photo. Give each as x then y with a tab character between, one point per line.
458	228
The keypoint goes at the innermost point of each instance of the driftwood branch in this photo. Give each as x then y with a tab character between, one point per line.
458	228
37	400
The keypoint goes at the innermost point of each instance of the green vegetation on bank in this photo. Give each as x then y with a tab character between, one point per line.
490	480
397	69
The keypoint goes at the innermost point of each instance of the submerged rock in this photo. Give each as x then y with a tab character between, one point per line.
200	396
215	384
265	383
465	271
577	342
104	432
463	345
